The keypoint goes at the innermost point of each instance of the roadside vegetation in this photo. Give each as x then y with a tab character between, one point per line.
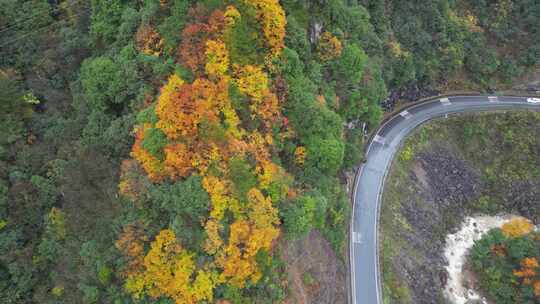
199	136
448	169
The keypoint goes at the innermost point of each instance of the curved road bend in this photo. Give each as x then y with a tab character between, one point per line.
365	277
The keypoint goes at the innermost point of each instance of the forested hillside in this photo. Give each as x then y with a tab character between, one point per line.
158	151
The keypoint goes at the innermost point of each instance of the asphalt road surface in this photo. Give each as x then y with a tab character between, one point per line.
365	275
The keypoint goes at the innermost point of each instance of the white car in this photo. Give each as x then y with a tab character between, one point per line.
533	100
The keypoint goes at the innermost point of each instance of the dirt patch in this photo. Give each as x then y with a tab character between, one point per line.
421	175
315	273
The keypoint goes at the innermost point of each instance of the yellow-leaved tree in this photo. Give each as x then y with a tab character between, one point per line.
217	58
517	227
169	270
329	47
247	238
273	21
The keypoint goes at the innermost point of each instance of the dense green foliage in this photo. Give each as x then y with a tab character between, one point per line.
76	76
508	266
108	82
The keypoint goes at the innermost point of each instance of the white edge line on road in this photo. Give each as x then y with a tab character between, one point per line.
351	246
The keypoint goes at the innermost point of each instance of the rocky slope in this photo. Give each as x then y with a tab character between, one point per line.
315	273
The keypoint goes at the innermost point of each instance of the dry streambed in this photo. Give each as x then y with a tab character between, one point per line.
460	287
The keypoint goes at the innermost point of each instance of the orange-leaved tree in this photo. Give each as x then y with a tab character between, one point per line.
194	37
150	163
131	243
528	271
148	40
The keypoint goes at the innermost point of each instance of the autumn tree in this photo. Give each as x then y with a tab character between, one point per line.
528	270
517	227
238	260
194	37
272	18
300	155
133	183
169	270
329	47
56	225
131	243
217	58
151	163
148	40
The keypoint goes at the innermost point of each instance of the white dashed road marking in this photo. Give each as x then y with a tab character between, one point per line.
378	139
493	98
356	237
445	101
405	114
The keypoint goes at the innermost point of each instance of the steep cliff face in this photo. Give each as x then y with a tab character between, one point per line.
447	170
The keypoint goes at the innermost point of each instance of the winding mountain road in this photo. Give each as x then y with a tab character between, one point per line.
365	275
